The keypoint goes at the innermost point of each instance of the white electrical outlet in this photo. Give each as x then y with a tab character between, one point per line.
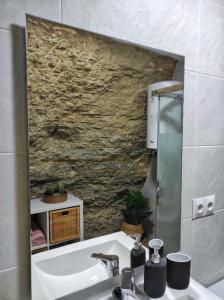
210	205
203	206
198	208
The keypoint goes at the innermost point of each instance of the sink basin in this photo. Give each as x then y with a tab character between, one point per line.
71	268
80	261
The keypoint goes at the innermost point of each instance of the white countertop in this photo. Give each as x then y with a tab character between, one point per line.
103	291
38	206
195	291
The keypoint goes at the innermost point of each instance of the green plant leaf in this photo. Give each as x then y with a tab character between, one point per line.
137	208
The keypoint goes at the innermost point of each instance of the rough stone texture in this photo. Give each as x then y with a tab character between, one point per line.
87	116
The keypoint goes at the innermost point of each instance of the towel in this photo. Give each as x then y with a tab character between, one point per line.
37	235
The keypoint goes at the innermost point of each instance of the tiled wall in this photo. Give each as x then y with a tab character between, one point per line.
14	204
193	28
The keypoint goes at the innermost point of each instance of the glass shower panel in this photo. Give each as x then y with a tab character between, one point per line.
169	169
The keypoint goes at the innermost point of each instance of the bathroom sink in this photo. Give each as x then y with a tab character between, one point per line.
69	273
71	268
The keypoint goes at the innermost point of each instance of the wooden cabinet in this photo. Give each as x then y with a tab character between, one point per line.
61	223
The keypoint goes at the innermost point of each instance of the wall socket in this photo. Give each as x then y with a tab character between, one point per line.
203	207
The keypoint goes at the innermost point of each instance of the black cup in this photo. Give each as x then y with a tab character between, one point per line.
178	270
156	243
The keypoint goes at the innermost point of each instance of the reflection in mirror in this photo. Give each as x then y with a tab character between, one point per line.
93	171
169	170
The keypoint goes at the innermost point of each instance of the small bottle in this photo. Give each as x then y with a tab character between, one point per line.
155	275
137	253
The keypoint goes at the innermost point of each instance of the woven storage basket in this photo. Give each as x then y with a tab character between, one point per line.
64	224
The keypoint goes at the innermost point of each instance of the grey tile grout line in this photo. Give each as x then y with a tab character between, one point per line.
14	153
61	10
195	120
219	209
6	29
14	267
186	219
202	146
190	218
198	35
211	276
204	74
14	31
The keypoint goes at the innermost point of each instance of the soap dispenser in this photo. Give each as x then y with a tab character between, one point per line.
138	254
155	275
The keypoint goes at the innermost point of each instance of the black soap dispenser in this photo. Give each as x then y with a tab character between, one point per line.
138	254
155	275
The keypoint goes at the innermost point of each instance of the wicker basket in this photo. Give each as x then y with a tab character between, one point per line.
64	224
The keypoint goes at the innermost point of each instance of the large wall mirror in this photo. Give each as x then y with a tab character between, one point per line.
93	171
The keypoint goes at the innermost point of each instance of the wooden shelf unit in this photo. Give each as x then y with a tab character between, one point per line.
41	211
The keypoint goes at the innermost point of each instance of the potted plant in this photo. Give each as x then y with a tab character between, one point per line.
55	193
136	211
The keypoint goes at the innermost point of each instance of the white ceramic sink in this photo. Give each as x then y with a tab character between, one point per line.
70	273
71	268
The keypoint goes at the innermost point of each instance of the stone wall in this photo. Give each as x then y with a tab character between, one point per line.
87	116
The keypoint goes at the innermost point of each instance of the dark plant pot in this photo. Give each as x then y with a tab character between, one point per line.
131	229
55	199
